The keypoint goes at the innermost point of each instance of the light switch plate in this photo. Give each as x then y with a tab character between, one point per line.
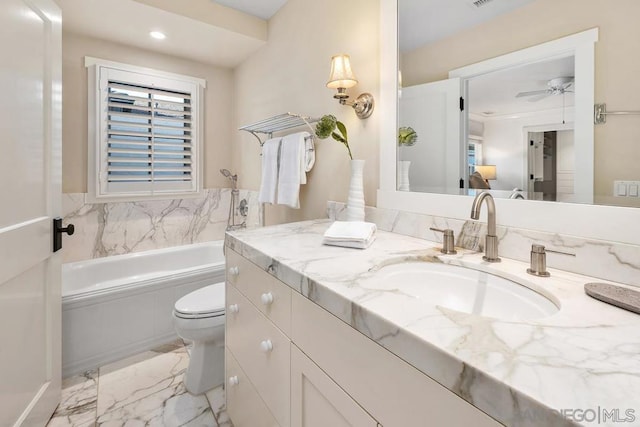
626	188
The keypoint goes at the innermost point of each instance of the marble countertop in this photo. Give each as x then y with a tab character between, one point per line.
580	366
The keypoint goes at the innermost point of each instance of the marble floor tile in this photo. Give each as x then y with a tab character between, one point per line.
170	407
78	401
132	379
216	398
142	390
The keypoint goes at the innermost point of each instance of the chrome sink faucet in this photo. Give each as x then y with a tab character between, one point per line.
491	239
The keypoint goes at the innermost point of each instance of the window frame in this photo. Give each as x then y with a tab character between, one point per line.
98	69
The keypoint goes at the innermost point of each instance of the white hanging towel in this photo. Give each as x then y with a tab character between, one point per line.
292	169
269	182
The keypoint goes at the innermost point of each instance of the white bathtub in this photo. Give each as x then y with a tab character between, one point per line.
121	305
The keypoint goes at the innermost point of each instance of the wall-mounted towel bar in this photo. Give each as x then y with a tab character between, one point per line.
600	113
268	127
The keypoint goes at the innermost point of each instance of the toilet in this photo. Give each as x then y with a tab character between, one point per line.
199	317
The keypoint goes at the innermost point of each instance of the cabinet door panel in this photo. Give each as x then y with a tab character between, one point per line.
317	401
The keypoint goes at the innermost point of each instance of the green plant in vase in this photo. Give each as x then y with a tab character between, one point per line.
327	127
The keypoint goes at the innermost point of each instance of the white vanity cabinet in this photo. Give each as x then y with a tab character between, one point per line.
293	364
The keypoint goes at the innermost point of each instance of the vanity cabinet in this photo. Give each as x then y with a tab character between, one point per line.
298	365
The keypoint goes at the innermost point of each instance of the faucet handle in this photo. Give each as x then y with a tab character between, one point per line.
448	240
538	265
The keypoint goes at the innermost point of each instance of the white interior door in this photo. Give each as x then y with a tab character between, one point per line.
433	111
30	187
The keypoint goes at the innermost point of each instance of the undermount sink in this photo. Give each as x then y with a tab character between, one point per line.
462	289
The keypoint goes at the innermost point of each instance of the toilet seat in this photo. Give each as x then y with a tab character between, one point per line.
203	303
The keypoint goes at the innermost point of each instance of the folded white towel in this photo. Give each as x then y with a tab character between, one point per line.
292	169
269	182
351	234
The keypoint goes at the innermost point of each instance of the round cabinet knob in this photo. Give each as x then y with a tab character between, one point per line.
234	308
267	298
266	346
234	271
234	380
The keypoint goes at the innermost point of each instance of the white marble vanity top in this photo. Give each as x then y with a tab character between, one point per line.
580	366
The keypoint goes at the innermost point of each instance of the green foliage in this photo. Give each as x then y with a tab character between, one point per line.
327	127
407	136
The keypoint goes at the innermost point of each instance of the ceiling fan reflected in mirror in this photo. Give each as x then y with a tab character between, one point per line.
557	86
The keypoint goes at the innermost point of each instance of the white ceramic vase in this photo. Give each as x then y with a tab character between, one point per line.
403	175
355	200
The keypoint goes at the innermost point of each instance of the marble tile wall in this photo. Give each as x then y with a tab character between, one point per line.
106	229
606	260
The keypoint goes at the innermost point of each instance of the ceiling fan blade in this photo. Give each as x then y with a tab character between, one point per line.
539	97
535	92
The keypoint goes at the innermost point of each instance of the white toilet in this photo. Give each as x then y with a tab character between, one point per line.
199	317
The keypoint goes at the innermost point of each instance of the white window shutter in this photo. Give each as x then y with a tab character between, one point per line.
147	143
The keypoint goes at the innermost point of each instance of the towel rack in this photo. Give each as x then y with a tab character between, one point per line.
268	127
600	113
278	123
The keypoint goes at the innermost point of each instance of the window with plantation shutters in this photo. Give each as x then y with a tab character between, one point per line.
147	129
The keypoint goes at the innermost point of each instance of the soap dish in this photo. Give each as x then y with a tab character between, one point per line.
615	295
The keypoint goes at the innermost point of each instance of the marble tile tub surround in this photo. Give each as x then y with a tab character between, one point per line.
105	229
522	373
618	262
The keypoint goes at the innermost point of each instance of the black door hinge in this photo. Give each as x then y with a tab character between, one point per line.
461	104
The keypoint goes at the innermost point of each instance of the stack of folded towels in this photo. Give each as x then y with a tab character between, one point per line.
350	234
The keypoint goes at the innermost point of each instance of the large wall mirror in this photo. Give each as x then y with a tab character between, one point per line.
529	72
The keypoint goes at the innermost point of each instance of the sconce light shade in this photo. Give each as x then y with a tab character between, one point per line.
341	79
487	171
341	74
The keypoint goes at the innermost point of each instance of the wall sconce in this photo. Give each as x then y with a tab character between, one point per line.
342	78
488	172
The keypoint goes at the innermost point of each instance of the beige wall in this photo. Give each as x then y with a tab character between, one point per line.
617	150
290	73
218	105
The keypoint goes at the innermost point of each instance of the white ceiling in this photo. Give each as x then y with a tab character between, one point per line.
496	92
129	22
424	21
264	9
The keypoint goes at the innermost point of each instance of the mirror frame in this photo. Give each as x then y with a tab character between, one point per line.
619	224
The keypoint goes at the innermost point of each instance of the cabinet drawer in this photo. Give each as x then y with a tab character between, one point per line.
394	392
244	405
262	351
268	294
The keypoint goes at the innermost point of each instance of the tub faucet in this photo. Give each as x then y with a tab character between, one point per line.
491	239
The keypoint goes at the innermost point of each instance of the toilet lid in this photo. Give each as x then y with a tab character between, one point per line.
206	301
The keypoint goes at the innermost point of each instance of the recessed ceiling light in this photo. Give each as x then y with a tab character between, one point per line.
157	35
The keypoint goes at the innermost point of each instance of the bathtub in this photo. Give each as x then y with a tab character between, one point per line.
121	305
